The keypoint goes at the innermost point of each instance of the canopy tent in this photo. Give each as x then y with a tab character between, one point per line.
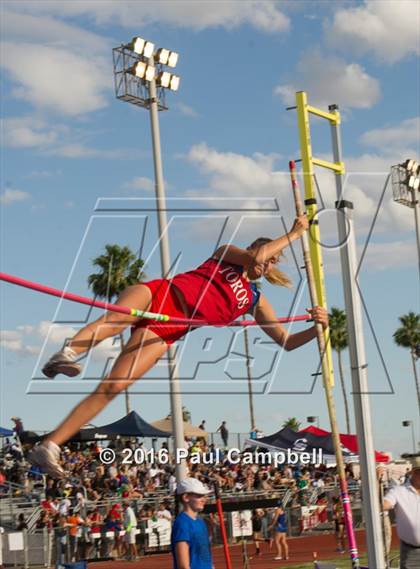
348	441
6	432
132	425
287	439
189	430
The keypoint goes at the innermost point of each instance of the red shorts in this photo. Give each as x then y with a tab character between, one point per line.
164	301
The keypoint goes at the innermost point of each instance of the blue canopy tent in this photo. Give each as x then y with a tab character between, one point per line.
6	432
132	425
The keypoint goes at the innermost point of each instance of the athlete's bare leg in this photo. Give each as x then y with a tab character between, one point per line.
112	323
140	354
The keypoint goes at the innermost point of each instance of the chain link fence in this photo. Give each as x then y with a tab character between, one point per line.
53	547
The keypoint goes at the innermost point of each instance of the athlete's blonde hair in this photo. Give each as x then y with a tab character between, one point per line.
274	276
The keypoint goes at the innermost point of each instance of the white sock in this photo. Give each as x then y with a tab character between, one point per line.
69	352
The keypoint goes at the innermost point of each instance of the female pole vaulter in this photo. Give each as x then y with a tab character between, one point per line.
219	291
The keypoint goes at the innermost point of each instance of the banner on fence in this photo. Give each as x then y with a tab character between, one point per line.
309	517
159	533
241	523
16	541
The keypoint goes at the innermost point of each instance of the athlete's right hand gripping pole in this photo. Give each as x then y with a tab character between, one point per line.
326	379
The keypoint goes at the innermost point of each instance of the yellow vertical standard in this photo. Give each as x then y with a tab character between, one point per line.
312	213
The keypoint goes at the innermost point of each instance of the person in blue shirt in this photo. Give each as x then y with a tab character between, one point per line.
279	523
190	541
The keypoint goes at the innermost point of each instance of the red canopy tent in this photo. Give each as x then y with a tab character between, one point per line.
349	441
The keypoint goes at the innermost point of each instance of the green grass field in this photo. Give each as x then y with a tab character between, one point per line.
340	562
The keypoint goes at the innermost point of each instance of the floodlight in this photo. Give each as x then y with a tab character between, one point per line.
412	181
150	73
172	59
174	84
148	49
137	45
139	69
415	183
162	56
409	165
164	79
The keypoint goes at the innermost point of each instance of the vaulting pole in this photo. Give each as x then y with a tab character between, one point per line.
354	556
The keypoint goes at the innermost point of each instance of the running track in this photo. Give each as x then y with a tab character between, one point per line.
300	550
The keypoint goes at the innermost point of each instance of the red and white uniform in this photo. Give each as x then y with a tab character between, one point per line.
215	291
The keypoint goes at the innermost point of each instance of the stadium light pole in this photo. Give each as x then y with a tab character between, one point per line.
405	179
409	423
140	78
361	396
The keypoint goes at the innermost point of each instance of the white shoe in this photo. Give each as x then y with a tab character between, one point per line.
47	457
64	362
278	558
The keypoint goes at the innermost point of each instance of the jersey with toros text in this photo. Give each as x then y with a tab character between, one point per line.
216	291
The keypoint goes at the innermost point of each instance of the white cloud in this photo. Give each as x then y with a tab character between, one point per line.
10	196
392	255
263	15
234	174
46	30
394	138
187	110
18	340
55	78
378	257
231	175
330	79
106	349
390	30
80	150
21	132
247	186
140	183
56	140
52	64
57	333
12	341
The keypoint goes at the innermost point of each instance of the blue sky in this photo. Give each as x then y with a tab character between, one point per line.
227	138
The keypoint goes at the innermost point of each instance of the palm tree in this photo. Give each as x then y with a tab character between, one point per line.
339	342
292	423
408	336
186	415
119	268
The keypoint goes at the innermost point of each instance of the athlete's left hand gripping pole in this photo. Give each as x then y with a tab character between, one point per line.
344	496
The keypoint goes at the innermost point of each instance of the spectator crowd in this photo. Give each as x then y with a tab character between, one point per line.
117	499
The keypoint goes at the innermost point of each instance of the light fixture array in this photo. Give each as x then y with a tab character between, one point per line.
413	174
148	71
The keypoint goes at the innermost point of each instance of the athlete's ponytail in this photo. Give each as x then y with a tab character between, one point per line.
274	276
